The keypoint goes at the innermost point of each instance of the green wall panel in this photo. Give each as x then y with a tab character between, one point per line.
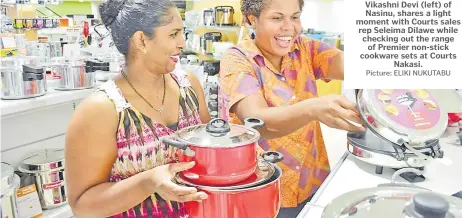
69	7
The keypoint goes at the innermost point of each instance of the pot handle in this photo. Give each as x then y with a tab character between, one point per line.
273	156
174	143
254	123
217	125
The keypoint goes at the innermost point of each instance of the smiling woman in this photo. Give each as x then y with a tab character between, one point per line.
273	77
284	39
116	165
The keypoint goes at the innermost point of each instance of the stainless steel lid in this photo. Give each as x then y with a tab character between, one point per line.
110	57
394	201
48	160
414	114
18	61
10	69
220	133
10	62
68	61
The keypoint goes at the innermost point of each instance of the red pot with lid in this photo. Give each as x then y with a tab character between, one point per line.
224	153
258	196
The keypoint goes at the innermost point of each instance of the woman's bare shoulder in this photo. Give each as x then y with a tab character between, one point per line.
96	110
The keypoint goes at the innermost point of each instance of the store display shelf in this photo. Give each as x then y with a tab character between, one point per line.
215	27
59	212
52	97
202	55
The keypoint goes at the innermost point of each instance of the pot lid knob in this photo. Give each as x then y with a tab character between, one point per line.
254	123
428	205
218	125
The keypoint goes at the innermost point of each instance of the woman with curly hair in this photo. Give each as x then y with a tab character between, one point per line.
273	77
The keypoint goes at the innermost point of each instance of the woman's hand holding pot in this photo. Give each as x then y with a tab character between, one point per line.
260	151
338	112
161	177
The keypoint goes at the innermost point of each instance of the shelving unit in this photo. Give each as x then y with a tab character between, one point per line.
59	212
215	27
201	55
44	119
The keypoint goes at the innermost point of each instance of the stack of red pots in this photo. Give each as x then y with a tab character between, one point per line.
239	183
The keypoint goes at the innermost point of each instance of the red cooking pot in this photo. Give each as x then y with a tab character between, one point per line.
256	197
224	153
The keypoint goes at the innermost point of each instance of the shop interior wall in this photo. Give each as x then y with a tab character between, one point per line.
36	130
324	16
70	8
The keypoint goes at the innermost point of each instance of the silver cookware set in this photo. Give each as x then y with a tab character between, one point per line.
403	128
28	76
41	174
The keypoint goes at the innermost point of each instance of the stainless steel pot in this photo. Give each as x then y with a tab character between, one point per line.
73	76
108	63
9	185
209	38
394	200
116	62
224	15
26	83
47	171
38	49
208	16
56	49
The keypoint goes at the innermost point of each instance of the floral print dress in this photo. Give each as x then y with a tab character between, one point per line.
140	148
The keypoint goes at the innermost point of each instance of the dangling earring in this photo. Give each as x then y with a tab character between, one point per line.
144	51
252	32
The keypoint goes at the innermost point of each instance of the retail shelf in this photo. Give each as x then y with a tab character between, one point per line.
215	27
59	212
202	55
52	97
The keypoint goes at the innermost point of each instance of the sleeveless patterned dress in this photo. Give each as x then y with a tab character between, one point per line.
140	149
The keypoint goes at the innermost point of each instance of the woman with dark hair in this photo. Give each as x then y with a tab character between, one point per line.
116	165
273	77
